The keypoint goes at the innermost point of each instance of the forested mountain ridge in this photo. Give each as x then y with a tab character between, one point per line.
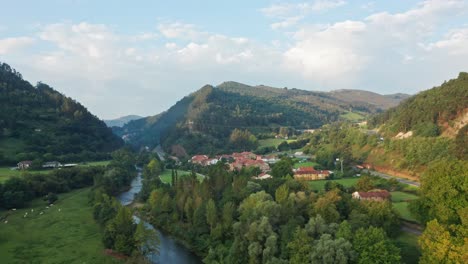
203	120
121	121
41	123
430	112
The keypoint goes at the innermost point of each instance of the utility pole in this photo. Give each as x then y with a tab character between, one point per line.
341	160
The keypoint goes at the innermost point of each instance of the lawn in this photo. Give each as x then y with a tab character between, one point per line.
351	116
68	236
272	142
408	243
402	209
403	197
320	184
96	163
6	173
305	164
166	176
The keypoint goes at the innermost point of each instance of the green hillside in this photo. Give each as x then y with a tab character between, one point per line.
39	122
204	120
430	112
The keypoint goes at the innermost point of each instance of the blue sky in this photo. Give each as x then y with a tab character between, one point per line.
140	57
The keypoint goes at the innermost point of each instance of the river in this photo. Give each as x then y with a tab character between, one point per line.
170	251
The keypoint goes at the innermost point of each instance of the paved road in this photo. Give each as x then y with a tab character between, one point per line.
387	176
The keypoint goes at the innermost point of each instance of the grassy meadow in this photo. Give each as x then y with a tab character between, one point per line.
272	142
320	184
305	164
67	236
166	175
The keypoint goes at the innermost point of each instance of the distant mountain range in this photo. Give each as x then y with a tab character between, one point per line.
203	120
41	123
121	121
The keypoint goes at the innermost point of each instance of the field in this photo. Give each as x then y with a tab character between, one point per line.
272	142
400	203
6	173
408	243
320	184
68	236
351	116
402	197
166	176
305	164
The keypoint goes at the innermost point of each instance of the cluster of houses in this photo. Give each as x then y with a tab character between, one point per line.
26	164
237	160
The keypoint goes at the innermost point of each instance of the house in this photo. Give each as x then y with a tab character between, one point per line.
244	155
271	159
51	165
239	163
374	195
262	176
199	159
24	165
310	174
69	165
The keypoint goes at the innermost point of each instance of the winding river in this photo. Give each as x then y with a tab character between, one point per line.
170	251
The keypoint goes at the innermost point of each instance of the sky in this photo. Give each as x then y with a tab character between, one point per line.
140	57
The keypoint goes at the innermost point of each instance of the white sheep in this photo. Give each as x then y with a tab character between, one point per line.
51	205
41	213
14	209
60	209
6	221
47	207
32	210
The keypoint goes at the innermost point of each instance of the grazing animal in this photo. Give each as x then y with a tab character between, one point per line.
14	209
51	205
32	210
41	213
60	209
6	222
47	207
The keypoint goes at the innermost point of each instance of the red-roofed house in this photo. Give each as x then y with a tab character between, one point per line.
310	174
374	195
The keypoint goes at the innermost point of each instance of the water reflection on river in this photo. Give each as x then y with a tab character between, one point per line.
170	251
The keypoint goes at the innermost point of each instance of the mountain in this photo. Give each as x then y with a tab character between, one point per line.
41	123
204	120
378	100
440	110
121	121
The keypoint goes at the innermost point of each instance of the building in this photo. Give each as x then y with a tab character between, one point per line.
310	174
374	195
24	165
271	159
51	165
239	163
262	176
203	160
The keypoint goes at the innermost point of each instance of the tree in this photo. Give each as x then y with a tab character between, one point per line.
330	251
282	168
146	240
119	232
364	184
373	246
211	214
300	247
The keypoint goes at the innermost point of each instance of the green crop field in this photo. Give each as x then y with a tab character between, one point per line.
320	184
272	142
96	163
351	116
166	176
68	236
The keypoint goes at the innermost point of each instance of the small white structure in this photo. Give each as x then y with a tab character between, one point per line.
263	176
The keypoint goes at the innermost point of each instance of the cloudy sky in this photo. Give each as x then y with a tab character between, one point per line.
139	57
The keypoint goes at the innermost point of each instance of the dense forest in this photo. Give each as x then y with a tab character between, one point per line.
429	112
204	120
230	218
40	123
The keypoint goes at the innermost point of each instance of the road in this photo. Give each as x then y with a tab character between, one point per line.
159	150
387	176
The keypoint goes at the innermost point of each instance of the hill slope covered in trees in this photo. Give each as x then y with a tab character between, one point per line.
121	121
40	123
205	120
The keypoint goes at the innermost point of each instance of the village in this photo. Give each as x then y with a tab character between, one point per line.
238	160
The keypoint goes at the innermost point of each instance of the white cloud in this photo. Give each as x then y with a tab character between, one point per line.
345	53
8	45
178	30
290	14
